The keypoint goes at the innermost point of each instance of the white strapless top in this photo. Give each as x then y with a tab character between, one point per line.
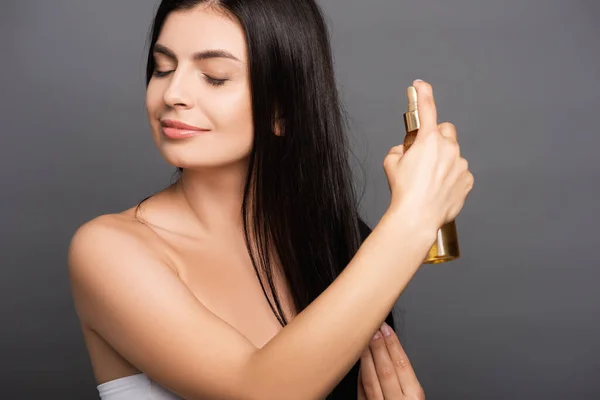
134	387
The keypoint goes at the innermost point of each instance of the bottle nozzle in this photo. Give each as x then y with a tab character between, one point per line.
411	93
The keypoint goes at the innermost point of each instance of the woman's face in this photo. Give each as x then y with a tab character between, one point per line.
201	80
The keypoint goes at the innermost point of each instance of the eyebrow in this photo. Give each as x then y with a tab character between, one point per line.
201	55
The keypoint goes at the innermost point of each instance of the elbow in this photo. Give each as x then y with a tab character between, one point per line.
262	380
273	387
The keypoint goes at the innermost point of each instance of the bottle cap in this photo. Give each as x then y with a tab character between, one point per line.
411	117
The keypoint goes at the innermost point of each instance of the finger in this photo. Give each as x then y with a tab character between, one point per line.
426	107
386	373
361	395
370	382
448	130
397	150
406	375
392	158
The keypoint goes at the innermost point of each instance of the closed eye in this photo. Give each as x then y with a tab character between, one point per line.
210	80
215	81
160	74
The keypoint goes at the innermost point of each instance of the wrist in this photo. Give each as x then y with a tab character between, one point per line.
421	230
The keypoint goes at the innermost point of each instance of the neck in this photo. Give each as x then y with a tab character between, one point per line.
214	196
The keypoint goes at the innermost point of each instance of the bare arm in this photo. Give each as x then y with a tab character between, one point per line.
137	304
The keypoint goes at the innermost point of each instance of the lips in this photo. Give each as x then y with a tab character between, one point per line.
180	130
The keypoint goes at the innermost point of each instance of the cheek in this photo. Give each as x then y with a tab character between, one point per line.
153	98
154	103
233	113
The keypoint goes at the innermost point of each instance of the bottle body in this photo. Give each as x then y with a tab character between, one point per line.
446	246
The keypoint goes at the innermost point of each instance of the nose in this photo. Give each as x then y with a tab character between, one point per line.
177	94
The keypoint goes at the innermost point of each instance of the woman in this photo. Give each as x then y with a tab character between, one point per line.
249	277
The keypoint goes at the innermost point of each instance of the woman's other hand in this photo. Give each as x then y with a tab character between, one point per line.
385	371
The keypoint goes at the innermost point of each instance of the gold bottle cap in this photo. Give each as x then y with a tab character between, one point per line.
411	117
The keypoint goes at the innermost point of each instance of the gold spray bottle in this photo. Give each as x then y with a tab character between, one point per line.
445	247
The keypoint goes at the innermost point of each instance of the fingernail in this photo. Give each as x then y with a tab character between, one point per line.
385	328
418	80
377	335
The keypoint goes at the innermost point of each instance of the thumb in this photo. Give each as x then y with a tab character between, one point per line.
392	158
397	150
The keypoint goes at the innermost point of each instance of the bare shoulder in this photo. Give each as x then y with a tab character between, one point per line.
96	232
118	234
111	247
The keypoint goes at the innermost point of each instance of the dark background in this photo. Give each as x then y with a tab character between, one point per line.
517	317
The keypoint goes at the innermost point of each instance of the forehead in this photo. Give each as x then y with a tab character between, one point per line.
201	28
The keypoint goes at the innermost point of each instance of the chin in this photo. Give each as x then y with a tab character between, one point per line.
202	157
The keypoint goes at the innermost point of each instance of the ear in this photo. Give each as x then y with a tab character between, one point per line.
278	127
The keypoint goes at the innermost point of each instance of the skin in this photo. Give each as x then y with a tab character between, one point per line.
175	296
385	370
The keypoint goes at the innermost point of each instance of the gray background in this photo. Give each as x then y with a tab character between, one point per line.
515	318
